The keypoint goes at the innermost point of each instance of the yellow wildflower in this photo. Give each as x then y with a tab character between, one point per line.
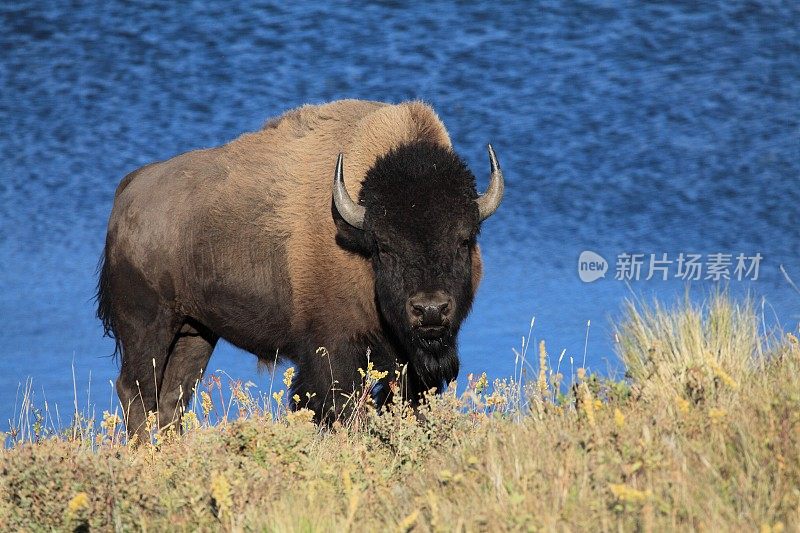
288	376
585	403
682	404
221	492
627	494
777	527
372	373
78	503
110	422
296	399
190	421
619	418
278	396
151	420
377	375
723	376
301	416
496	399
206	402
716	414
482	383
242	397
161	437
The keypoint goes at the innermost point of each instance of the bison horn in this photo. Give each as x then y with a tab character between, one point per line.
489	201
351	212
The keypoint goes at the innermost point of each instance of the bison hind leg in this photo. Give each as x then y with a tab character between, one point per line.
191	349
146	342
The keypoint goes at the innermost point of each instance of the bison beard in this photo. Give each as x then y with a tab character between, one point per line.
430	363
434	367
266	251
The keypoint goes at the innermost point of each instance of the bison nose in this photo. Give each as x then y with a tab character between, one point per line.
430	309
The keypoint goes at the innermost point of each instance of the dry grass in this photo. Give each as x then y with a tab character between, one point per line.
704	435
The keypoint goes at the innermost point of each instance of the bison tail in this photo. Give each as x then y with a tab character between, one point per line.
104	301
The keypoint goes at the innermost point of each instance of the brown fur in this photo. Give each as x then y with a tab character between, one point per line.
286	168
256	213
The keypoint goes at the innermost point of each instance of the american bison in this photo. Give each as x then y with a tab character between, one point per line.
261	243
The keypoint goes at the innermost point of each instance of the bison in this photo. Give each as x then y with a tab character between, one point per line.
261	243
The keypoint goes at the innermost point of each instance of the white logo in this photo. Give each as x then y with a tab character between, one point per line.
718	267
591	266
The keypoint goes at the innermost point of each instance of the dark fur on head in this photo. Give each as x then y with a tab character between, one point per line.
420	230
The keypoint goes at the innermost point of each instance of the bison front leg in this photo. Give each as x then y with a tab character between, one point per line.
331	383
326	383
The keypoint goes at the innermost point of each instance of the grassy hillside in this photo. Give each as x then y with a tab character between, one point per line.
703	434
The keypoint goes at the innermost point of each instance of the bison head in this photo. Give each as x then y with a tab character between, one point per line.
417	220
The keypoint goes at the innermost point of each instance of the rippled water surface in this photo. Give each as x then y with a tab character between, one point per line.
660	129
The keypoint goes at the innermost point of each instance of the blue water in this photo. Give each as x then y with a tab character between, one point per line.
664	128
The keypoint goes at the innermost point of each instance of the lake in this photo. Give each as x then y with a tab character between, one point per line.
622	129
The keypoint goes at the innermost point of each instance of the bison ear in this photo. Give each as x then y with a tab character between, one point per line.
349	237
